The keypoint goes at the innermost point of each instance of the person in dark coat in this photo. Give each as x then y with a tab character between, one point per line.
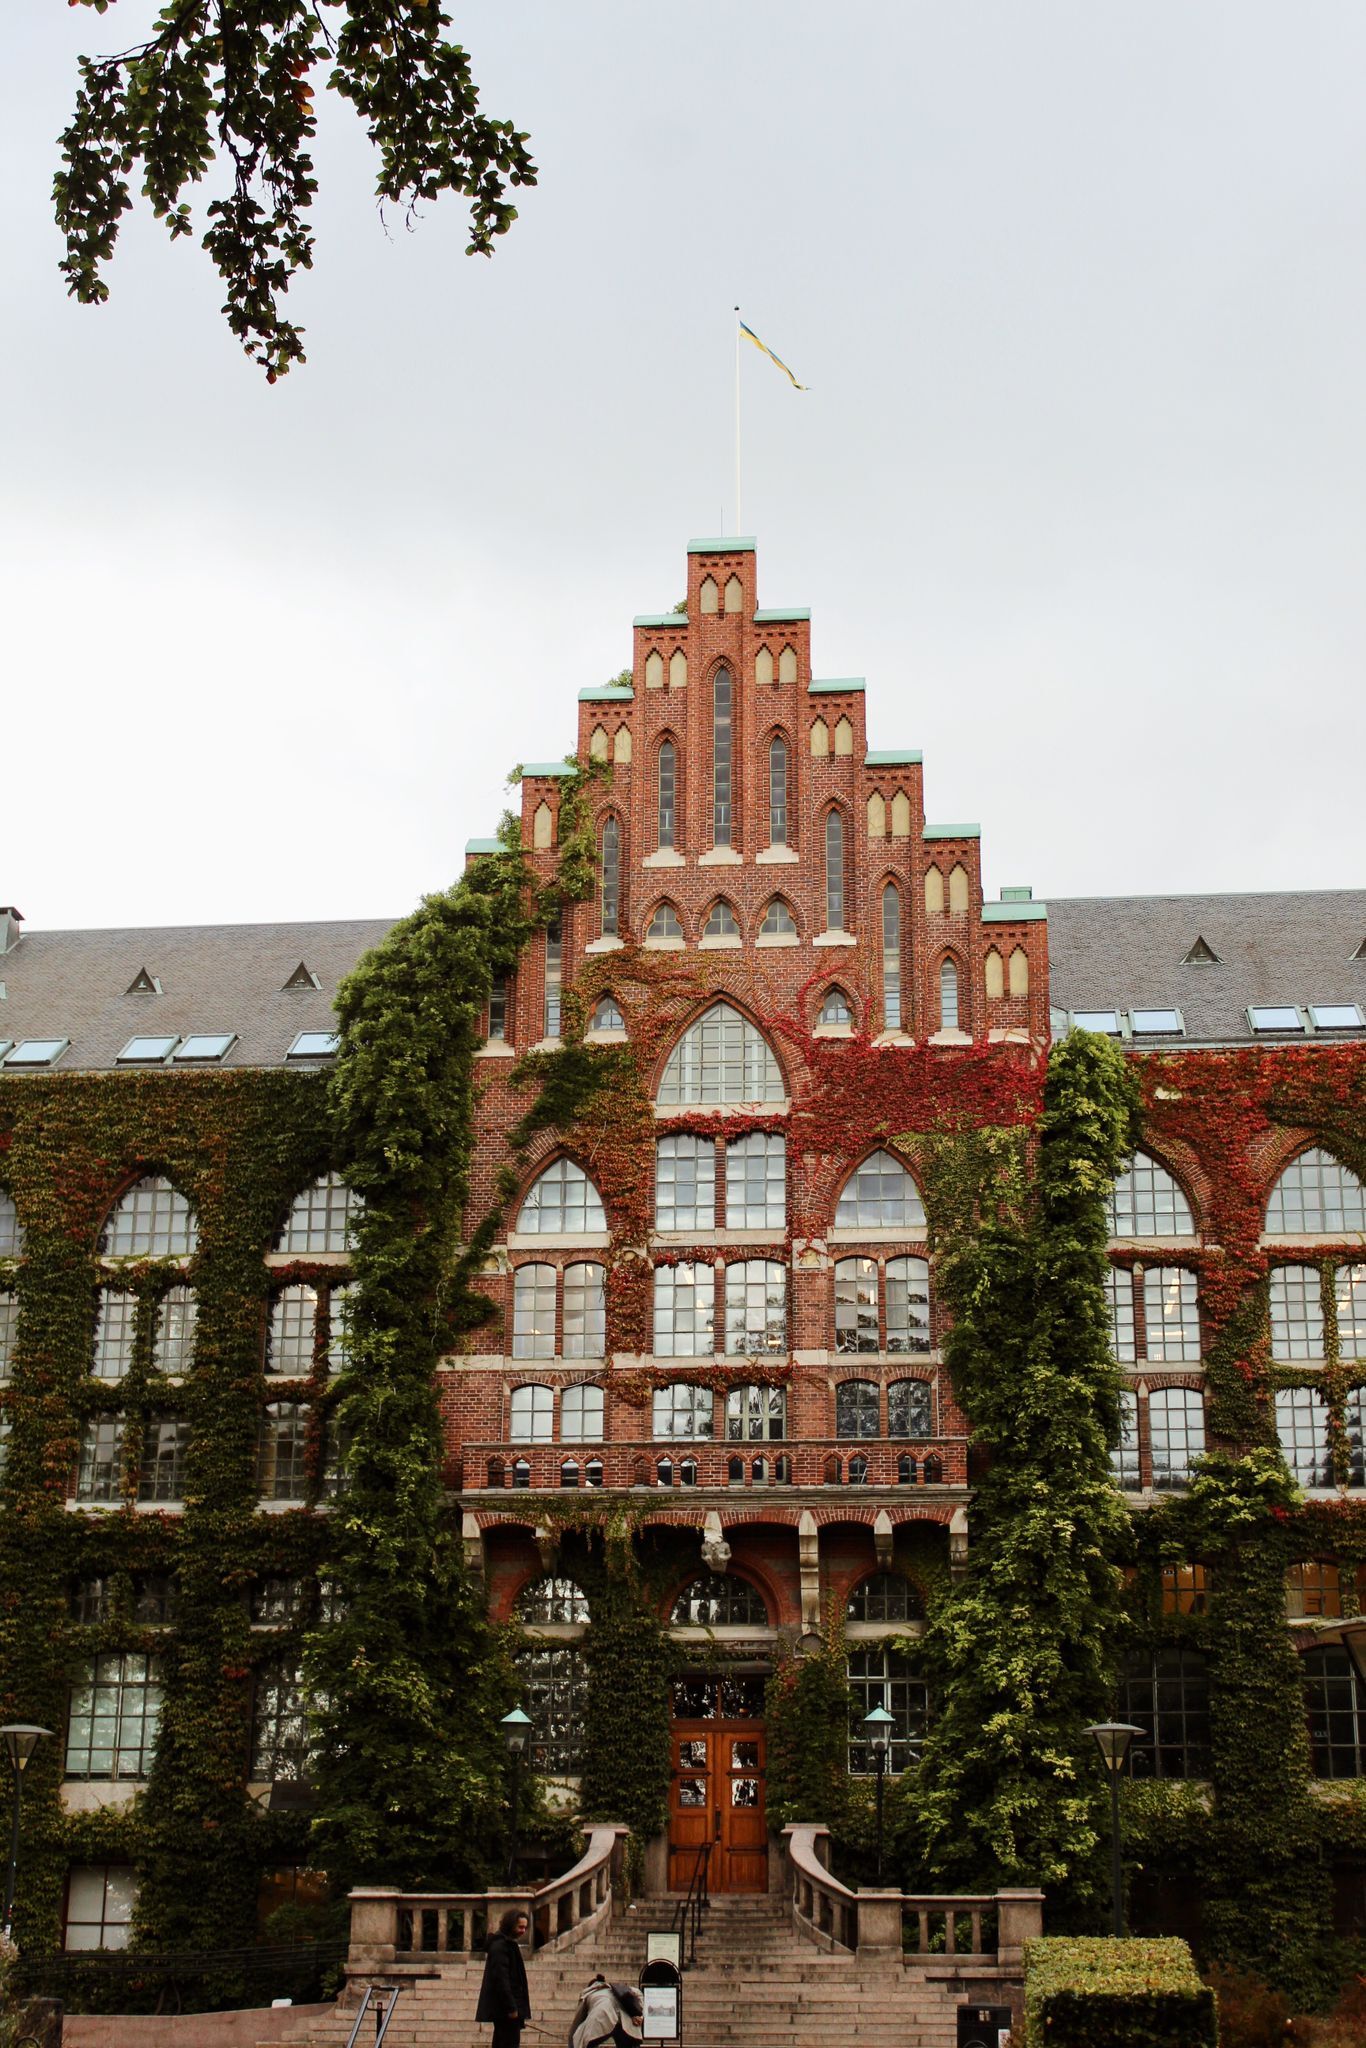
503	1995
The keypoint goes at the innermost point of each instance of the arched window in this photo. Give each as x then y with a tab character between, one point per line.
1019	972
1316	1196
561	1201
581	1415
735	1471
834	871
1166	1693
934	890
531	1415
683	1413
835	1009
909	1409
882	1677
11	1233
666	776
756	1307
777	793
555	1688
521	1472
948	996
722	922
832	1471
721	1058
549	1602
778	921
958	888
585	1310
664	927
687	1472
891	957
1336	1706
856	1409
151	1221
611	877
607	1015
664	1472
934	1470
554	969
721	758
756	1415
321	1218
592	1472
880	1195
719	1600
886	1596
1148	1203
533	1312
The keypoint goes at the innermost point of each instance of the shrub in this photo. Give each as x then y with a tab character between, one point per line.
1251	2014
1085	1992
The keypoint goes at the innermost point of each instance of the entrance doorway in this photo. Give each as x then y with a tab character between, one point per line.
716	1784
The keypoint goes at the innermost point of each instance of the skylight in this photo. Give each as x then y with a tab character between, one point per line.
206	1045
1156	1020
36	1052
1096	1020
1336	1016
314	1045
145	1051
1275	1017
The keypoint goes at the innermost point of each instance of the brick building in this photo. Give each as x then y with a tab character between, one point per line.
714	1294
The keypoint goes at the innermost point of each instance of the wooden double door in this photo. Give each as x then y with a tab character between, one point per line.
716	1795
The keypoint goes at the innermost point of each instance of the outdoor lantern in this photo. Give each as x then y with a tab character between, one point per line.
1112	1740
879	1724
516	1728
21	1739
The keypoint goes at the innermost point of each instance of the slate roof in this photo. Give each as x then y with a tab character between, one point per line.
1128	952
214	978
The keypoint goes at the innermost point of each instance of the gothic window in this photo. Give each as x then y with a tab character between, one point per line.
778	921
113	1717
994	974
856	1409
1316	1196
719	1600
948	996
581	1415
682	1413
1302	1428
555	1689
834	871
1337	1714
320	1218
554	970
835	1008
1124	1465
722	922
666	793
763	666
664	925
11	1235
891	957
1147	1202
1176	1428
685	1183
685	1302
880	1195
531	1415
549	1602
1166	1693
934	890
882	1677
721	816
756	1414
756	1181
173	1343
533	1312
115	1327
151	1221
1019	972
756	1307
561	1202
909	1409
886	1596
777	793
721	1058
611	877
607	1016
958	889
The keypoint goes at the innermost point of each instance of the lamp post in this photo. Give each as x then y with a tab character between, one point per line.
516	1728
1112	1740
20	1738
878	1725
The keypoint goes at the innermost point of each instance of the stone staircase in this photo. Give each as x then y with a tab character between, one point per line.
756	1984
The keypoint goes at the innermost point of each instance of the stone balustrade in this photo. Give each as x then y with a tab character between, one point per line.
923	1929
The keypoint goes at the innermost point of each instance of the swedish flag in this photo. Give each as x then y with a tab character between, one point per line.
765	350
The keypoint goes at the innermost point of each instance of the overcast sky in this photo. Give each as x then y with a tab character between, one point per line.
1079	485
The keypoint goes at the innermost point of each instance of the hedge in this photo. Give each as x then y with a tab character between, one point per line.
1087	1992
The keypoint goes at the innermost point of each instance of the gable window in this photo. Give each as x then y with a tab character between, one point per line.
685	1308
756	1307
152	1221
114	1715
721	1058
554	967
1316	1196
891	957
685	1183
756	1181
721	759
1166	1693
321	1218
756	1415
1147	1202
777	793
1302	1430
682	1413
880	1195
834	872
611	877
667	793
719	1600
561	1202
778	921
1176	1427
948	996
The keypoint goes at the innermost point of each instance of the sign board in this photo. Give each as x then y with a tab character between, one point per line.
665	1947
661	2012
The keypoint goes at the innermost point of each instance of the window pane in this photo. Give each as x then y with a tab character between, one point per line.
177	1314
948	997
1337	1713
611	876
667	793
879	1677
908	1305
891	957
280	1740
685	1298
1167	1695
152	1221
1349	1295
777	793
685	1183
721	758
113	1717
1176	1426
778	920
320	1218
101	1460
293	1314
165	1440
1296	1312
11	1236
1119	1289
281	1469
1147	1202
1316	1196
856	1326
756	1307
719	1600
115	1331
560	1201
554	958
1171	1310
1302	1427
856	1408
533	1312
581	1415
721	1058
834	872
339	1303
756	1182
555	1697
909	1409
886	1596
531	1415
1124	1465
756	1414
880	1195
683	1412
585	1311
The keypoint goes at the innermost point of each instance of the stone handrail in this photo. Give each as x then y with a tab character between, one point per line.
410	1932
922	1929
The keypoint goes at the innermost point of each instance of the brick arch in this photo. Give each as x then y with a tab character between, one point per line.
796	909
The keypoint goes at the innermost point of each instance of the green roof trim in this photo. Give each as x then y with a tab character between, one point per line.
547	768
831	686
953	832
607	693
729	544
484	846
1014	913
658	619
779	618
894	759
1020	892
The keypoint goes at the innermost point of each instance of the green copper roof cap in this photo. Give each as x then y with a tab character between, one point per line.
607	693
658	619
484	846
547	768
779	618
953	832
831	686
729	544
1013	913
1020	893
894	759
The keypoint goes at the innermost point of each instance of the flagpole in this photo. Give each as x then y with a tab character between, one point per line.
738	518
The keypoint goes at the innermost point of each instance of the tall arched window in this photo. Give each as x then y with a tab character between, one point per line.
891	957
320	1218
611	877
777	793
152	1221
834	872
562	1199
667	789
1316	1196
1148	1203
948	997
721	758
721	1058
554	962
